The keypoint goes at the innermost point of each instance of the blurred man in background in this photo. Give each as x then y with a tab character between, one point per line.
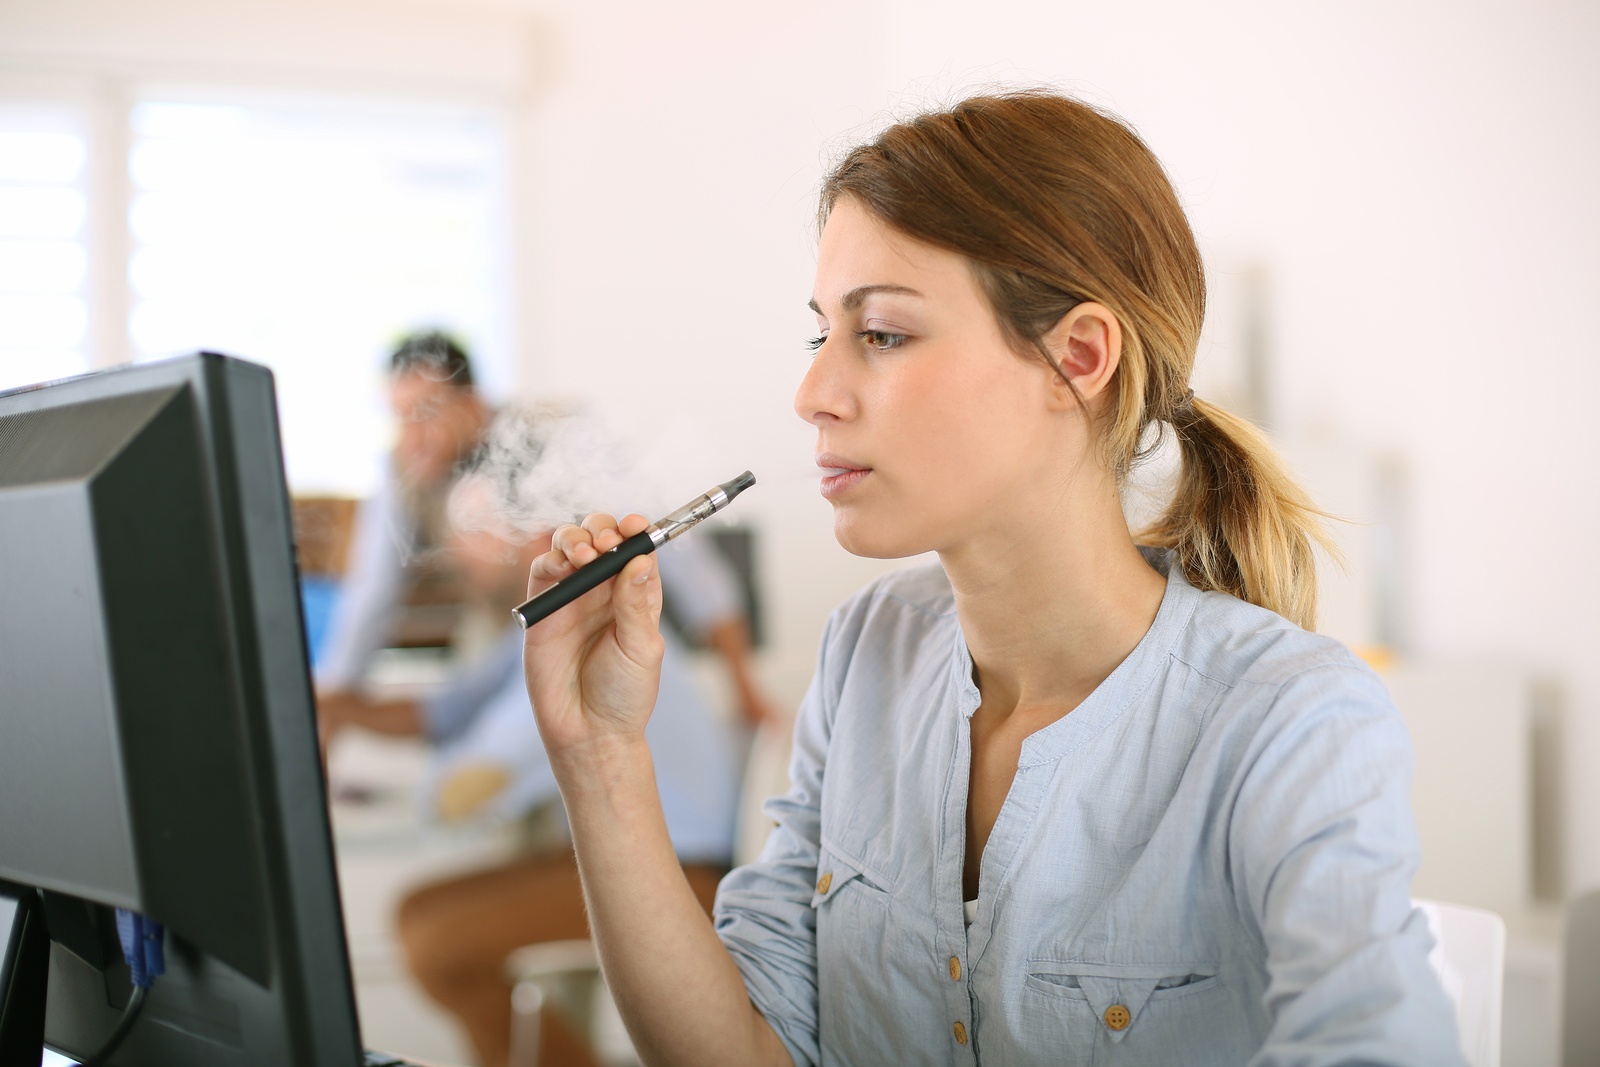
400	587
525	474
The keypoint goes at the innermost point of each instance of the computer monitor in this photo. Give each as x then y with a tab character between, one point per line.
158	747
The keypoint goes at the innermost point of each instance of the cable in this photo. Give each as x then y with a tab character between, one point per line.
129	1014
141	947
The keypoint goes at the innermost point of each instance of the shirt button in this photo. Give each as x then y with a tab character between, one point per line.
960	1032
1118	1017
955	969
824	882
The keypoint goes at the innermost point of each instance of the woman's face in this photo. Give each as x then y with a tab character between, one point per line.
932	431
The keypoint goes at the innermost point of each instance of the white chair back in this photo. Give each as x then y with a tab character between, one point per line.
1469	956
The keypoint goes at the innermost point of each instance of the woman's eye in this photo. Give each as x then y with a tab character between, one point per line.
880	340
816	342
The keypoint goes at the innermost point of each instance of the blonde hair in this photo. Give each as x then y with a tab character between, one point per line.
1055	203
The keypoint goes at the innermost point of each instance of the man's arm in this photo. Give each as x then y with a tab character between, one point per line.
705	595
335	711
368	592
730	639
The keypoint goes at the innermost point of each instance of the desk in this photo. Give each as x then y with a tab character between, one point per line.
55	1059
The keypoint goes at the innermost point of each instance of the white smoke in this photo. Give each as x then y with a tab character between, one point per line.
539	468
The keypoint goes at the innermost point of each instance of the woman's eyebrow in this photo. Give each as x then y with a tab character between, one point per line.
854	297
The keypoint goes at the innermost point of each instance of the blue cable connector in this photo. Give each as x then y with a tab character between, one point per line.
141	947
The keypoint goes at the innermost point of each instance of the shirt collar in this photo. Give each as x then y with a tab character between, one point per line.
1120	690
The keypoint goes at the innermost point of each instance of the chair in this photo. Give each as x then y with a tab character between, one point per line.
564	975
1469	956
1580	1027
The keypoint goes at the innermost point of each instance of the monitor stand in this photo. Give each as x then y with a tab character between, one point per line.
24	975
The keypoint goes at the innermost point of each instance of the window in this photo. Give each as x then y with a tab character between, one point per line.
43	262
306	233
308	236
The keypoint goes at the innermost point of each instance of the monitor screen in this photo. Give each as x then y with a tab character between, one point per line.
158	747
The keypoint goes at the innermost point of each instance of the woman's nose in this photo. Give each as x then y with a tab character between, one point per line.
823	395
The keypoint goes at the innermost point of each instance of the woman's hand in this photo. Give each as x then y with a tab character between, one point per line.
594	666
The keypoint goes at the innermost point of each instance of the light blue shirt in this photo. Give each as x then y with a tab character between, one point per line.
1208	861
380	545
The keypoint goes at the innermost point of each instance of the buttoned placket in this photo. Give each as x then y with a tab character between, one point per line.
963	944
955	971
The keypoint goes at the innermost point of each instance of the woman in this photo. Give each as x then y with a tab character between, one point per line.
1061	798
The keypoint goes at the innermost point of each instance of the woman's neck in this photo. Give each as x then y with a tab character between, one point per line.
1049	608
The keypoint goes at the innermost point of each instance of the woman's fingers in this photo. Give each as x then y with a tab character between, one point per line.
550	567
603	532
574	546
595	665
637	596
577	543
570	548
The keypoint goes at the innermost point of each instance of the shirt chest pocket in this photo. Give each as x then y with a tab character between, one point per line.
1159	1009
840	878
856	928
858	945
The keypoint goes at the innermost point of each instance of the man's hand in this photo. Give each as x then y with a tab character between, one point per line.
730	639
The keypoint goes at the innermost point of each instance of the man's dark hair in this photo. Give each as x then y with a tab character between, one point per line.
435	354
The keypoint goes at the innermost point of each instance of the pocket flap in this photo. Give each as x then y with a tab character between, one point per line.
1116	1001
1118	993
833	873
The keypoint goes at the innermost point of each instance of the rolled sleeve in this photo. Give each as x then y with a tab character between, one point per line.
1323	852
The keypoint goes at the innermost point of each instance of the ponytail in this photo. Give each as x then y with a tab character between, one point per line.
1237	522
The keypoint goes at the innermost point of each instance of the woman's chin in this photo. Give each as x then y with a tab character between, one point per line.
873	539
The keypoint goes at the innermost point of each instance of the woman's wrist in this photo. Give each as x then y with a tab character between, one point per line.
613	805
598	765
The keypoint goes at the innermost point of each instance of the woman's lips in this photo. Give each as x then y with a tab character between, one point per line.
839	480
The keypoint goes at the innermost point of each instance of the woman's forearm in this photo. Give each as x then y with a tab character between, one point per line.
676	985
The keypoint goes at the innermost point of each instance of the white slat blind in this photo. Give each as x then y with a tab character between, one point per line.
43	261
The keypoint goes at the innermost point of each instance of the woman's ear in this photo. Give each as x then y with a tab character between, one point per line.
1086	344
